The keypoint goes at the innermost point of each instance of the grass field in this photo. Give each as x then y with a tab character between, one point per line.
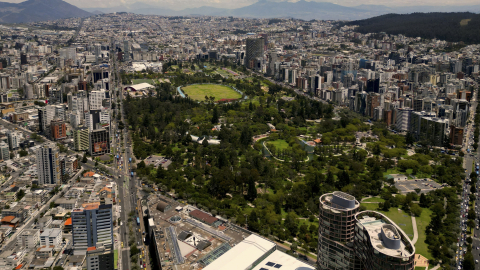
402	219
422	222
374	199
137	81
199	91
279	144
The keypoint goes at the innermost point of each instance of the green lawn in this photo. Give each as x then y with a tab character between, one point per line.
396	171
279	144
422	222
374	199
420	268
115	259
137	81
199	91
402	219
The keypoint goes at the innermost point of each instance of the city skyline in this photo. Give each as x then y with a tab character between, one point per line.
182	4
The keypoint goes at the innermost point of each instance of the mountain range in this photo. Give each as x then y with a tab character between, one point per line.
306	10
38	10
43	10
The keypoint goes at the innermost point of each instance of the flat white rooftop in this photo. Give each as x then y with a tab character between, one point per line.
282	261
242	255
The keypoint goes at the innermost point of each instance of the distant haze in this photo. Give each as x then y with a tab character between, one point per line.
180	4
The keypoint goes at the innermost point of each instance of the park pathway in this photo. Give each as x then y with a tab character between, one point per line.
415	230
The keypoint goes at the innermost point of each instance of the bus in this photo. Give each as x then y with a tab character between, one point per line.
138	221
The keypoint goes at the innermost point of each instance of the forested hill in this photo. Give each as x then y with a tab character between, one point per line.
453	27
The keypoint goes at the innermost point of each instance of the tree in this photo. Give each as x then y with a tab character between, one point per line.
409	139
469	263
252	191
215	116
415	209
386	205
52	204
20	194
84	159
471	224
57	268
23	153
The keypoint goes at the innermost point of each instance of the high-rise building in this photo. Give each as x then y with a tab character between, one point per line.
254	49
99	143
48	167
336	231
81	139
23	59
97	53
13	139
45	117
58	129
96	98
92	225
100	258
126	51
4	151
380	244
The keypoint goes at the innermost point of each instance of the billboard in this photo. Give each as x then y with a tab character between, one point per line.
100	147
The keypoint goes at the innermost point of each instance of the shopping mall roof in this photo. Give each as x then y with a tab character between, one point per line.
243	254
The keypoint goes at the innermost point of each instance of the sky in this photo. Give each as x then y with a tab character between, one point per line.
179	4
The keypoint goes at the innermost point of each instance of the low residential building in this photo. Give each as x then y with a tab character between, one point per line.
29	238
44	252
67	204
51	237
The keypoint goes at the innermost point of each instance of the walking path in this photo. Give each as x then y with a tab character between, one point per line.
436	267
415	231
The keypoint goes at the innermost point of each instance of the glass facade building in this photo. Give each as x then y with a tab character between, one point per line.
336	232
380	244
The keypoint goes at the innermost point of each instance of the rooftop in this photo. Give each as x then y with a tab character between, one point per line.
385	236
279	260
243	254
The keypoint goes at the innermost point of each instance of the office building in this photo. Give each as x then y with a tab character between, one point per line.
402	121
81	139
380	244
92	225
14	138
336	231
48	167
58	130
45	117
4	151
69	53
99	143
23	59
96	99
126	51
99	258
254	50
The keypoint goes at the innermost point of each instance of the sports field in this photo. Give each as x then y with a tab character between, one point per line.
199	91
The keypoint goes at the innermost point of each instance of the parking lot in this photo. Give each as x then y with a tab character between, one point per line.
411	185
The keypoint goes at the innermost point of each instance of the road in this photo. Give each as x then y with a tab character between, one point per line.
127	186
469	166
